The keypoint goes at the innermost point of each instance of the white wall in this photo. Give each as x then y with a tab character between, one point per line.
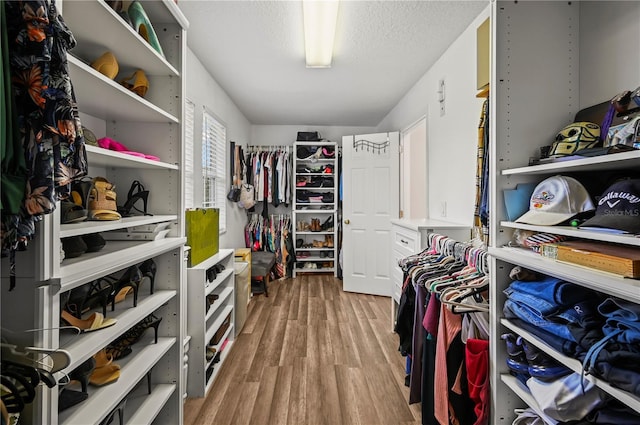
204	91
600	55
286	134
452	139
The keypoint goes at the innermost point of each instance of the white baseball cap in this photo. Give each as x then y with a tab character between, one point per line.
555	200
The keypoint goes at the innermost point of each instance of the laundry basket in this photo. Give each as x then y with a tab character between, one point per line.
241	269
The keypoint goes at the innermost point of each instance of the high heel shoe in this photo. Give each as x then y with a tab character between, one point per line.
131	278
136	192
149	269
119	410
107	65
86	297
83	372
95	322
137	83
121	347
102	201
141	23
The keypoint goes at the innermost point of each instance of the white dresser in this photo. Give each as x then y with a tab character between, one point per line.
408	237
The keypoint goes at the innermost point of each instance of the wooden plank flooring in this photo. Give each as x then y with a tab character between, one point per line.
310	354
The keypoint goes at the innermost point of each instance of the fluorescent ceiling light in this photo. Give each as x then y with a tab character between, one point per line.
320	18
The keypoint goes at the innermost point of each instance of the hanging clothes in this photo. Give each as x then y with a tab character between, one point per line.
49	128
481	212
269	170
272	234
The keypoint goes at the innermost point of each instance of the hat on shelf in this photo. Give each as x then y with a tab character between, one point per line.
555	200
618	208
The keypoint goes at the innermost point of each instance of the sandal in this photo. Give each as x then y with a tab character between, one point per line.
71	213
102	201
140	83
87	297
104	375
95	322
107	65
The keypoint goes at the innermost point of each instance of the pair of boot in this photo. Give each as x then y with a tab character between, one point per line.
328	241
316	226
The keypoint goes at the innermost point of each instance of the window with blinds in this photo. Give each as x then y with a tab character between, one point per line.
189	173
214	147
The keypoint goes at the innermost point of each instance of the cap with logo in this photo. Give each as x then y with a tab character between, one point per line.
618	207
555	200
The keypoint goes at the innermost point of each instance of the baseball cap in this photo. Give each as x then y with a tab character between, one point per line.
618	208
555	200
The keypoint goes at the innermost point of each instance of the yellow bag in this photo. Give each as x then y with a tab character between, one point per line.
203	231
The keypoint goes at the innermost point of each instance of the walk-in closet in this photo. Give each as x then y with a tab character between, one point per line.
429	220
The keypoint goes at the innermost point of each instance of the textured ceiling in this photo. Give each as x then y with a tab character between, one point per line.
255	51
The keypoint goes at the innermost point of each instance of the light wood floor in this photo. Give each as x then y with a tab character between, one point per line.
310	354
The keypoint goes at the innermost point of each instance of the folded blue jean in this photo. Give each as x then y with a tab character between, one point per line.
552	290
555	324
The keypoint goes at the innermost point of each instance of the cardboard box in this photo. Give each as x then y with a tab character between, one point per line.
617	259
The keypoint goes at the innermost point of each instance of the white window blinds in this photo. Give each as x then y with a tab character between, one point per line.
214	147
189	174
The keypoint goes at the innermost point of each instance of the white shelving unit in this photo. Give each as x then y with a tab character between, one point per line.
153	125
527	110
206	319
312	171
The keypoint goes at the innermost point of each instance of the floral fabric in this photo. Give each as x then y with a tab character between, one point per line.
48	125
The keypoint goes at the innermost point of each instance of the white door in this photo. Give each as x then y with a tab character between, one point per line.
370	173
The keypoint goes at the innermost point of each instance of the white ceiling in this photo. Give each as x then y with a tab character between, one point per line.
255	51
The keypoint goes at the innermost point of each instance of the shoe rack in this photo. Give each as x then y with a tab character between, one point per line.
526	110
315	207
211	322
153	125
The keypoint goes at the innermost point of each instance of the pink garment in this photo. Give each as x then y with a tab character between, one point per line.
112	145
449	326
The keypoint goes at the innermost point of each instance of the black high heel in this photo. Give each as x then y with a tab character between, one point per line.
132	278
119	410
149	269
121	347
86	297
136	192
83	372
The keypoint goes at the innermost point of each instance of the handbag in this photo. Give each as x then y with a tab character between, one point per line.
234	194
308	136
247	200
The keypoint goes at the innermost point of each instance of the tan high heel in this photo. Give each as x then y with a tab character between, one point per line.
102	201
95	322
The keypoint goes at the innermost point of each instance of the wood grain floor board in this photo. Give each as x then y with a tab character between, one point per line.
297	396
310	354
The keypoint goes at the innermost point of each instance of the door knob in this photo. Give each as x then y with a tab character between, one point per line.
347	221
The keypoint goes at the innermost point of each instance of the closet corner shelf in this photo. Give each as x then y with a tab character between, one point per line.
629	399
575	232
102	97
116	255
614	161
87	227
98	156
608	283
105	399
